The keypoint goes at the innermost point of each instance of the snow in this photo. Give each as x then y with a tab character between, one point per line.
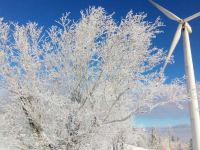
131	147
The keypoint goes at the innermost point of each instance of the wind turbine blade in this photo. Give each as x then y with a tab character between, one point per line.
173	46
192	17
189	28
166	12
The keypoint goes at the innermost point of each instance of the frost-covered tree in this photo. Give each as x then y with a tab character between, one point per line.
78	85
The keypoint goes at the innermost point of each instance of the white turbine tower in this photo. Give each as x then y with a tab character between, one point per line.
185	28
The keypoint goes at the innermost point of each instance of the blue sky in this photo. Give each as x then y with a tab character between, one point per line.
45	12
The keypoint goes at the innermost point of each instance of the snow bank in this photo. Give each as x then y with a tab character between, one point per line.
131	147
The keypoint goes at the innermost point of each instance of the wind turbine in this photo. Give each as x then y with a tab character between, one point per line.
185	28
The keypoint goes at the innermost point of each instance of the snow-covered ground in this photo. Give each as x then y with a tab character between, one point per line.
131	147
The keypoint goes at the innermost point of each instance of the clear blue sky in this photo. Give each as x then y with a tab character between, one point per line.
45	12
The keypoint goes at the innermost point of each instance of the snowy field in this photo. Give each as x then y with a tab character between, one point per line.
131	147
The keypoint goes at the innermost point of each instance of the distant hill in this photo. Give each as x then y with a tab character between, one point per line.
182	132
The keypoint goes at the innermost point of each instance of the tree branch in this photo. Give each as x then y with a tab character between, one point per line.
33	123
92	90
117	99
